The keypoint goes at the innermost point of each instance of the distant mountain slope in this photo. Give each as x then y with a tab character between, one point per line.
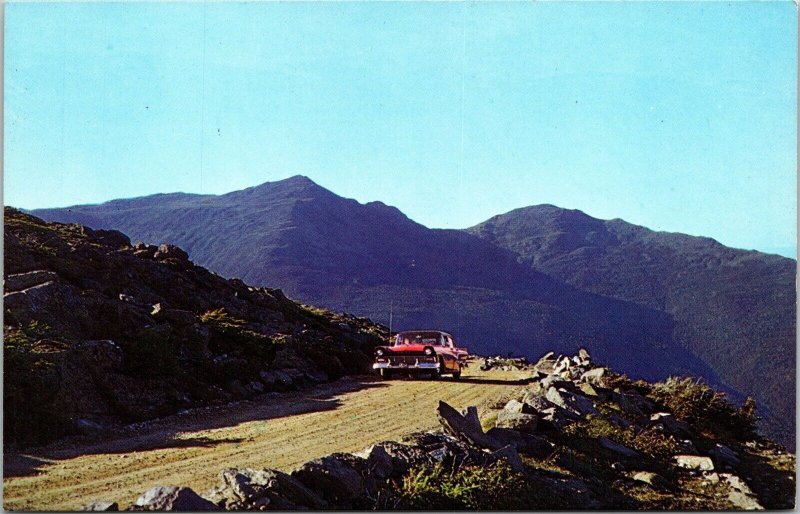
372	260
735	309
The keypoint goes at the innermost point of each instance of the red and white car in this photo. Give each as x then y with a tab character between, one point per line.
432	352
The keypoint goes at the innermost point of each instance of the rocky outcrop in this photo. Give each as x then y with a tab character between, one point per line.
100	332
172	498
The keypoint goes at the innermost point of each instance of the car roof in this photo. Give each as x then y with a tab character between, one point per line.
424	331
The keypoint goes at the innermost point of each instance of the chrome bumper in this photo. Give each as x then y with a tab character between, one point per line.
416	365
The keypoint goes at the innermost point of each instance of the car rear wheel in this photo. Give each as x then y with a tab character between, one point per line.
457	374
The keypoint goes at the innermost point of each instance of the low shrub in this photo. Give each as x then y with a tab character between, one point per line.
651	443
705	409
494	487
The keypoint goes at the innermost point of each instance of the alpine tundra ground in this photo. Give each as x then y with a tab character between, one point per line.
276	430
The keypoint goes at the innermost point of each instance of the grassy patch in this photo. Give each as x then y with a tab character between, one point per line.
466	487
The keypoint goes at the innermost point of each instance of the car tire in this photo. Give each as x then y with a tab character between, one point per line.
386	374
457	374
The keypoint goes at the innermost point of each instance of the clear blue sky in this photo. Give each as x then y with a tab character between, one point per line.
677	116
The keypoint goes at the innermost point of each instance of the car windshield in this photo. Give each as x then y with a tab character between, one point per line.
428	338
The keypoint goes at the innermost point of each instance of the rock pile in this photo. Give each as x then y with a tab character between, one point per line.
505	363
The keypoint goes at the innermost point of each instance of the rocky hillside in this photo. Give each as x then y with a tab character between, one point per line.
580	437
99	331
734	309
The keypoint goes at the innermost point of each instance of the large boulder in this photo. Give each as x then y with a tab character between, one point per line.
444	448
252	489
173	498
694	462
379	462
404	456
575	403
464	427
334	477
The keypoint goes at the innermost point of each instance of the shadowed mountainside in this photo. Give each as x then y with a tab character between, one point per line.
733	308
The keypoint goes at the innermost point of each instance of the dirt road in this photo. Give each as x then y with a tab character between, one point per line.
277	430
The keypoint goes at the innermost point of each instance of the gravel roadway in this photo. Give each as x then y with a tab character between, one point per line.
275	430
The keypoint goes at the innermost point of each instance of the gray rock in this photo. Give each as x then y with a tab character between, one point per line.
695	462
653	479
555	418
594	376
686	447
584	355
724	456
632	403
562	364
509	454
615	447
463	427
527	444
333	476
519	407
173	498
22	281
556	381
739	494
517	421
101	506
471	416
575	403
513	406
379	462
168	251
403	456
669	424
250	489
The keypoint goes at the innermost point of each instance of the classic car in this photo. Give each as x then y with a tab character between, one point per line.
430	352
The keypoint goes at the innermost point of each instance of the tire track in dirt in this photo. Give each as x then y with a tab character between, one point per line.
277	430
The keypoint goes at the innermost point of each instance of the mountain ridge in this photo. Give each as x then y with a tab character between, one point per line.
541	285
